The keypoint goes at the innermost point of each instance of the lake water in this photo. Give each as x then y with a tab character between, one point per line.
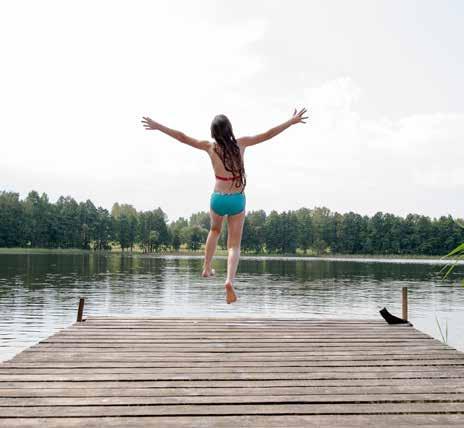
39	293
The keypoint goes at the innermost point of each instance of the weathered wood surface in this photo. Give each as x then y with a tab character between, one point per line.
224	372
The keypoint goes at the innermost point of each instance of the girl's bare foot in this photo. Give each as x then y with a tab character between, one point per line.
208	272
230	292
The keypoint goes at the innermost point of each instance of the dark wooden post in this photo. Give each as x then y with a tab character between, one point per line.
405	303
80	310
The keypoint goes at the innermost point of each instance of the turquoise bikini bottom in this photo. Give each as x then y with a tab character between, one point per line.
227	203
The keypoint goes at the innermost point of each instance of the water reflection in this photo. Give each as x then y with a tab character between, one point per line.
39	292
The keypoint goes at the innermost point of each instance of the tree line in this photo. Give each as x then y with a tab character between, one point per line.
36	222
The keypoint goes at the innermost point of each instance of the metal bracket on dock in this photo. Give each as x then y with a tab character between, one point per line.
392	319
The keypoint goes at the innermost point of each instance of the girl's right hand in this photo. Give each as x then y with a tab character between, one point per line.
298	117
150	124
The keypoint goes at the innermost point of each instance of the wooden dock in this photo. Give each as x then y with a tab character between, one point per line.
234	372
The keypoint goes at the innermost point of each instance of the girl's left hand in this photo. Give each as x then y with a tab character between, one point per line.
150	124
298	117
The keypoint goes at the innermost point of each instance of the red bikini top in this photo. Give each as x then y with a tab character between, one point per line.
227	178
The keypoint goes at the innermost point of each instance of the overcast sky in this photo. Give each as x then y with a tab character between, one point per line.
382	80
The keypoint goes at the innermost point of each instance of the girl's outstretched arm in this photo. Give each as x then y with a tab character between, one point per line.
296	118
151	125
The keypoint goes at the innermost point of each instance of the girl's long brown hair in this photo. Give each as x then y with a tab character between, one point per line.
221	131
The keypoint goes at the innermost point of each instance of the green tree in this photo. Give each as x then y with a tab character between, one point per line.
253	231
37	215
67	227
201	219
12	232
349	233
305	233
323	228
289	232
153	221
103	230
196	235
125	225
273	232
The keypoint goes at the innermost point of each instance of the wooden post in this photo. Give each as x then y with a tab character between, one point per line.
80	310
405	303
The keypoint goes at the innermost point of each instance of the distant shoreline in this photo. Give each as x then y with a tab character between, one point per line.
220	252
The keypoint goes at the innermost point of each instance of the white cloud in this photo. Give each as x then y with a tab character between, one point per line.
347	162
77	77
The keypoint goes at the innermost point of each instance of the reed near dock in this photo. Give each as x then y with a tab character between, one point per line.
240	372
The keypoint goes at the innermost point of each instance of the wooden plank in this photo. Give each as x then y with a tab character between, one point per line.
72	365
233	399
226	370
233	409
239	325
236	330
220	335
251	330
244	348
190	324
200	339
316	352
248	421
49	357
230	354
256	329
294	331
96	346
225	353
240	383
220	368
372	391
330	358
243	320
233	375
221	332
229	338
232	319
244	341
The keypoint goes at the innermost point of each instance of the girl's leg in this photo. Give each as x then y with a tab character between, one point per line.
234	238
211	242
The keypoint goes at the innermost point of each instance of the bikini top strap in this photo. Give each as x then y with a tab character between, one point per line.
227	178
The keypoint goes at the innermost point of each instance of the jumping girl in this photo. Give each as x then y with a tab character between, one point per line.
228	197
